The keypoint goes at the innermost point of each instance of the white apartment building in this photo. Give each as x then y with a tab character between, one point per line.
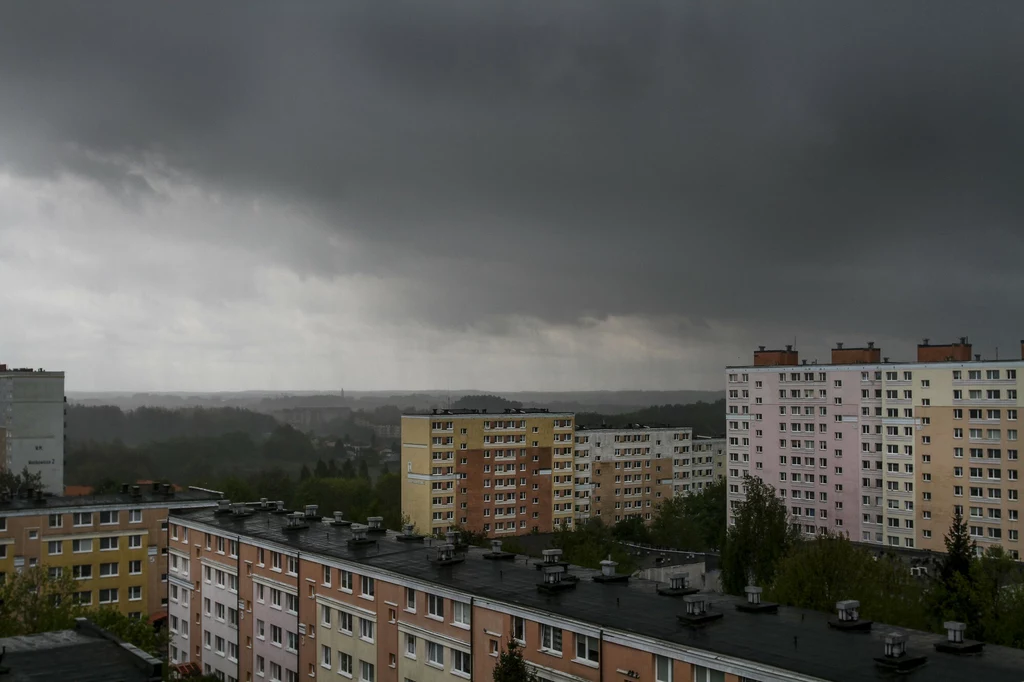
32	412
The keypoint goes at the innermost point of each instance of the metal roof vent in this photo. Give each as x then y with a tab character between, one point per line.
679	586
311	511
849	617
697	611
264	504
446	555
754	603
409	534
955	642
240	509
556	579
296	521
223	507
497	553
552	557
608	573
359	538
279	508
376	525
339	519
896	657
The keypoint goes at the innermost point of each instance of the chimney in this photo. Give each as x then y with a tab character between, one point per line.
552	556
339	517
680	581
136	491
125	488
156	487
925	342
956	643
977	357
753	594
871	344
407	529
761	348
955	631
375	524
495	546
168	489
839	345
311	510
754	603
608	567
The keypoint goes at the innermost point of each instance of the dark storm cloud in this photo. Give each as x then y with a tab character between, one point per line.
833	166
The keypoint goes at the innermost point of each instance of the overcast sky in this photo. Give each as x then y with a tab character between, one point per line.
522	195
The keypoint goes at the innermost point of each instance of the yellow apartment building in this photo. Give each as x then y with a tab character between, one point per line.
114	546
499	474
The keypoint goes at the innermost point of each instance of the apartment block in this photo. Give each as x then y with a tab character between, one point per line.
882	451
32	411
115	546
323	599
624	473
498	474
704	466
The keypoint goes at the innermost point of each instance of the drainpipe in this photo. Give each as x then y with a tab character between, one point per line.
600	658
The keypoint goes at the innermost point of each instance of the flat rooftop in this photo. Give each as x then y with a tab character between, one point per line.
632	427
85	654
146	496
795	640
508	412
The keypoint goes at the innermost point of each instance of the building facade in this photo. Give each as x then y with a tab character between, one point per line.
498	474
114	546
704	465
624	473
883	451
32	412
390	608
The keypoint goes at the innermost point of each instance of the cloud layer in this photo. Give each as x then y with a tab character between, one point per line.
511	196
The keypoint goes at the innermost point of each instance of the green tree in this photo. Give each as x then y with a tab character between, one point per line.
954	596
631	529
304	473
707	511
135	631
588	543
364	470
511	667
348	470
32	601
759	539
818	573
996	581
332	469
26	479
673	527
321	470
236	489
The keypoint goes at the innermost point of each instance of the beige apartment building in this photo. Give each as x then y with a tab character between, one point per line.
115	546
499	474
624	473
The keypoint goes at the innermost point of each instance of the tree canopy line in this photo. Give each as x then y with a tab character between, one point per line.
694	522
986	592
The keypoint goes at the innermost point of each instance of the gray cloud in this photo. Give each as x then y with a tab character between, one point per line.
779	169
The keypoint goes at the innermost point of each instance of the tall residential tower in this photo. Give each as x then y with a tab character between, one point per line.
882	451
32	413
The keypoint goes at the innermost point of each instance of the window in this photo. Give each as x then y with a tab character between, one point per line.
293	641
108	596
134	541
587	648
345	664
410	646
81	572
108	544
81	519
345	622
108	518
108	570
460	613
519	629
55	547
551	638
410	599
346	581
366	629
134	516
461	662
276	634
435	653
662	669
365	671
367	586
702	674
435	606
291	603
325	656
135	593
325	615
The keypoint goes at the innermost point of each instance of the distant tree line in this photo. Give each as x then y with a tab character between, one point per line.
108	424
706	419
